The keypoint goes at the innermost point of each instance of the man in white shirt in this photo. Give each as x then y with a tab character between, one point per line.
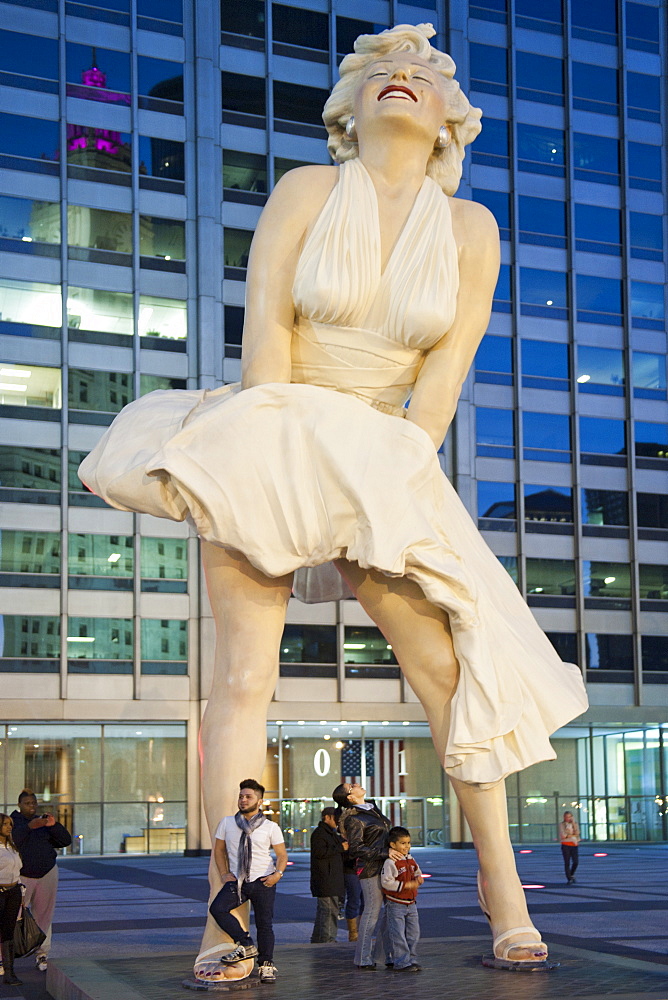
242	853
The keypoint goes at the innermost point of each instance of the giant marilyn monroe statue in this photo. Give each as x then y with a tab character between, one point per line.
368	285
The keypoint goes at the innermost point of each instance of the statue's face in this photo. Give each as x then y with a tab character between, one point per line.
401	87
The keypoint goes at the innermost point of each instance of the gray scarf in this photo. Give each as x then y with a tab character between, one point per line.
245	856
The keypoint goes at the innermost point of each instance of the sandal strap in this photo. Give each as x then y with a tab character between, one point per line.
502	938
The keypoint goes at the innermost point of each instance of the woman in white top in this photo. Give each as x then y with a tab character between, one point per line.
10	896
368	284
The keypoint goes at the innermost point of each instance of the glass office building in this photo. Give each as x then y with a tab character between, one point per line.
138	142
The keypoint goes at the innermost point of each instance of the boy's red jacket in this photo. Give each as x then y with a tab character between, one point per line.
394	876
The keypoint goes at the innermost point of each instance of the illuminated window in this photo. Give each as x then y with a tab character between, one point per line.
29	385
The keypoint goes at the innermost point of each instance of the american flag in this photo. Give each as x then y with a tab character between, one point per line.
382	766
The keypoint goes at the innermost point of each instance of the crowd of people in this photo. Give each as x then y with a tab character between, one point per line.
361	868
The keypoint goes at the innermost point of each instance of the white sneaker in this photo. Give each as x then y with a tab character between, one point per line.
40	963
267	973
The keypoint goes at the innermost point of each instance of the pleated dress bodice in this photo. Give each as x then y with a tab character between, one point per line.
361	328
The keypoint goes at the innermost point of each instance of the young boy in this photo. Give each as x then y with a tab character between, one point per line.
400	881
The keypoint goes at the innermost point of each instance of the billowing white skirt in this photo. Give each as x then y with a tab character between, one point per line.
296	475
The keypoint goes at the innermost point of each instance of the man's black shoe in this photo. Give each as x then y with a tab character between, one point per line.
410	968
367	968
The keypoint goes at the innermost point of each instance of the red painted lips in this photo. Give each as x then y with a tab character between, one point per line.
394	87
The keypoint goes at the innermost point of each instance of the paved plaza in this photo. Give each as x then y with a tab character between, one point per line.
128	928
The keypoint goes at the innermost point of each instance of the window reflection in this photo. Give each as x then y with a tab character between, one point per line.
548	504
547	437
545	365
547	16
598	230
595	158
653	582
600	370
164	646
495	433
100	562
489	69
29	144
308	644
492	145
161	164
29	61
97	229
543	221
540	150
367	653
543	293
244	95
29	558
29	475
496	501
97	74
599	300
295	103
244	172
643	94
595	20
30	644
164	565
605	507
606	579
247	18
649	375
106	392
493	360
237	247
642	27
652	510
647	305
646	236
644	165
300	27
552	577
601	436
651	439
164	238
609	657
539	78
100	645
160	85
595	88
566	645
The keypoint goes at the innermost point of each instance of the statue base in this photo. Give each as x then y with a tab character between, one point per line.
222	986
491	962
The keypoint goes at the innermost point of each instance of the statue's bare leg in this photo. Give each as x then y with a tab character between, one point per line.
249	613
421	639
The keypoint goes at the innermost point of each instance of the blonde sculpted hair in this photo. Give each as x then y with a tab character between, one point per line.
444	165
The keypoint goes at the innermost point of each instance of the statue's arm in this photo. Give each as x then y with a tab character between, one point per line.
293	205
446	365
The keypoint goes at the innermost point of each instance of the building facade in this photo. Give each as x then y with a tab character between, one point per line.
138	142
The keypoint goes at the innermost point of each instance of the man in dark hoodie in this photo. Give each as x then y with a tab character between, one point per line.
37	838
327	882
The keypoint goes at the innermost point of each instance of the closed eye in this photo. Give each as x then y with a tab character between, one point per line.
424	79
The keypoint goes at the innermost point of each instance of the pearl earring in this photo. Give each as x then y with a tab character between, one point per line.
350	129
444	137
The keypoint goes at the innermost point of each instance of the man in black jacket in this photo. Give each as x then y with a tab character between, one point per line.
37	838
327	882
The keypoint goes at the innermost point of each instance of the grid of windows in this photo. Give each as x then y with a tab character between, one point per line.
149	209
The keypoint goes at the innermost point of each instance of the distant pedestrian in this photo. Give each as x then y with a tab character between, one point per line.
569	835
401	880
10	897
242	855
38	837
327	882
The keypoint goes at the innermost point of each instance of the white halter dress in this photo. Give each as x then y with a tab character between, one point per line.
297	475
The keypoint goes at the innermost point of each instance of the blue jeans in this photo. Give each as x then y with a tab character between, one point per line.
372	928
403	925
262	899
353	895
